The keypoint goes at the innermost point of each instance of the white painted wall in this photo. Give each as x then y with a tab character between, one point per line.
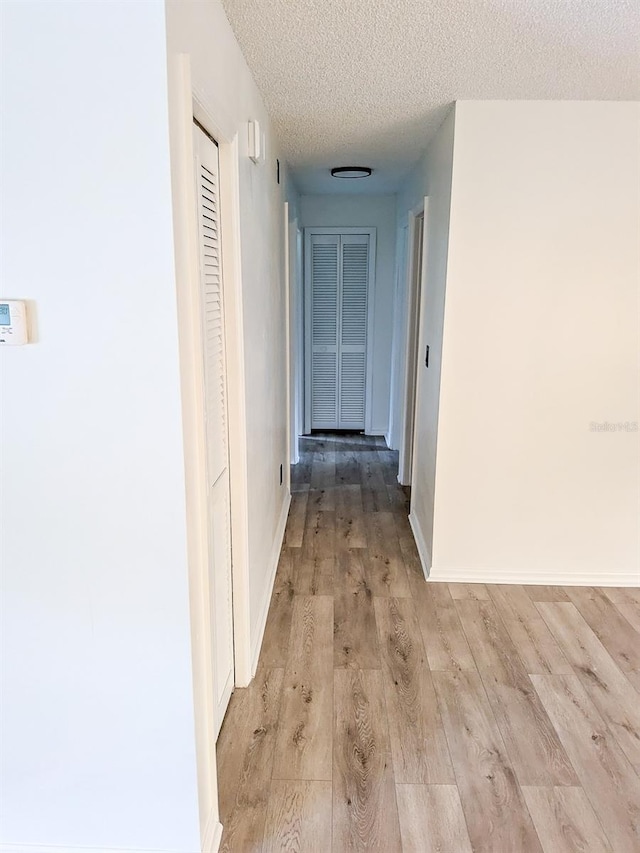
432	177
541	340
367	212
97	730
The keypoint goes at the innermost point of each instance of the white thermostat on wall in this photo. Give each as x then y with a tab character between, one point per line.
13	322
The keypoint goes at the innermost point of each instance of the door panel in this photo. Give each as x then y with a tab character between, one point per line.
220	595
354	299
219	577
325	274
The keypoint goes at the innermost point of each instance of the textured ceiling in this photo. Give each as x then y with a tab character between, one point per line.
369	81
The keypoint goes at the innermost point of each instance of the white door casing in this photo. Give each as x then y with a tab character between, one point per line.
416	279
397	350
295	338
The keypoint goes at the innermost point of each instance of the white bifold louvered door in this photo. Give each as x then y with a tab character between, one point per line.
219	603
354	298
323	330
337	291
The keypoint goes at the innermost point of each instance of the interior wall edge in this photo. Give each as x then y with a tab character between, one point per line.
258	630
421	544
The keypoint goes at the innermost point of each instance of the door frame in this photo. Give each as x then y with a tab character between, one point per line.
371	293
397	352
415	279
299	284
185	104
295	314
194	105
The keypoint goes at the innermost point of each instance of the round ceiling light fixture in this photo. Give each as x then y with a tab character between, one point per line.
351	172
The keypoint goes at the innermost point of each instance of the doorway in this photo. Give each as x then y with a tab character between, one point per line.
415	282
338	298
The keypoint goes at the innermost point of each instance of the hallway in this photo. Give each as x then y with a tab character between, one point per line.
388	714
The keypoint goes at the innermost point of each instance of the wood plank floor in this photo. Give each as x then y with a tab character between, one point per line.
391	714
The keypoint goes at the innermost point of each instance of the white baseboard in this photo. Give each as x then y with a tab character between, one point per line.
531	577
212	834
421	544
377	431
210	844
273	563
6	847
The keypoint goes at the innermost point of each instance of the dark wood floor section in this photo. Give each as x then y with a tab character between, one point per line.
391	714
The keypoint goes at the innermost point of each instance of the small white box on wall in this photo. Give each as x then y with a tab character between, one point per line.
13	322
256	142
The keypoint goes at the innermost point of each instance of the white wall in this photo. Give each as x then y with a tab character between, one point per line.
367	212
432	178
540	340
97	728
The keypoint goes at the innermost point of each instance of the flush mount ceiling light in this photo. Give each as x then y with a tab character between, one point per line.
351	172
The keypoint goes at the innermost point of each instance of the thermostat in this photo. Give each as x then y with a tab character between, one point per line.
13	323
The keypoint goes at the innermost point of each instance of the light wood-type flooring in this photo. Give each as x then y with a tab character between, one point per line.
391	714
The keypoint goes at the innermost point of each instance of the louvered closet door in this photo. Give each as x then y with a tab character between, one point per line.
219	580
325	262
337	315
353	331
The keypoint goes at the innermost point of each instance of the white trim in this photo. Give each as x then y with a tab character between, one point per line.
404	454
533	577
415	289
185	229
212	114
290	249
299	324
306	314
212	835
421	335
19	847
371	297
185	104
402	243
421	544
287	331
236	397
296	356
275	559
286	480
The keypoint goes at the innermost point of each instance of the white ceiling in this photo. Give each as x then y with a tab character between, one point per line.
367	82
